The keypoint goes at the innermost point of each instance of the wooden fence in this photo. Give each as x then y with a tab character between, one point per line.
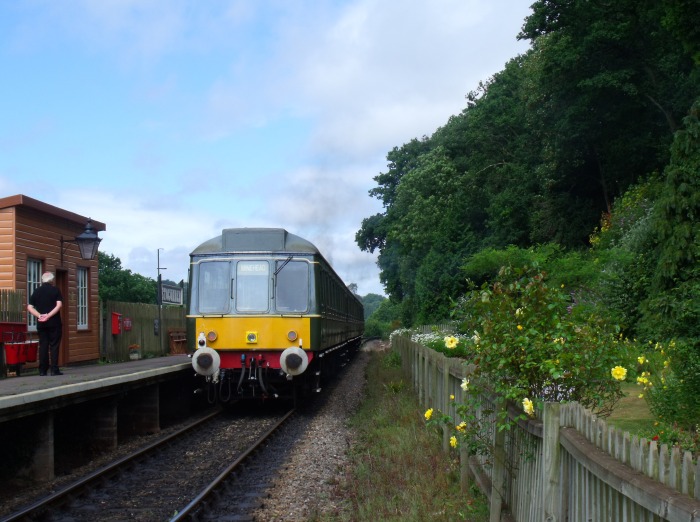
568	465
12	306
144	330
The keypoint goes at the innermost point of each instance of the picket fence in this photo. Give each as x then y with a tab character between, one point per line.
567	465
12	306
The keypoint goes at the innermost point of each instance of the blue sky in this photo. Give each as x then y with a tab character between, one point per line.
169	120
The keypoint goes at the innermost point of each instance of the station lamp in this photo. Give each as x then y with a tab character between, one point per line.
88	242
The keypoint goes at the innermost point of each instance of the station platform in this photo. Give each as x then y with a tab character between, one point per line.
43	418
21	392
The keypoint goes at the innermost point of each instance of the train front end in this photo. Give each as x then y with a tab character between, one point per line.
252	313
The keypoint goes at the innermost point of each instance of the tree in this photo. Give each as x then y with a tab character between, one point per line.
119	284
371	302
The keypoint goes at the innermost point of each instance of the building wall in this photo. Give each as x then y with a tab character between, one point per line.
38	236
7	249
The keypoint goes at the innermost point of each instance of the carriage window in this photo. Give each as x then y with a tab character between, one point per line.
252	286
292	290
214	287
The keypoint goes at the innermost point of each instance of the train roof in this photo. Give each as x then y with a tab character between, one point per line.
256	240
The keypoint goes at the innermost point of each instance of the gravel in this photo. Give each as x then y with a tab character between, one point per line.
311	483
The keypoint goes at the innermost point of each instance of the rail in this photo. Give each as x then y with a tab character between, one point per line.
190	511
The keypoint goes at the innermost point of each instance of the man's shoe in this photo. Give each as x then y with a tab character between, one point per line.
56	372
42	374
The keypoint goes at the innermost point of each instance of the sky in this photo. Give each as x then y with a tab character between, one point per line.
170	120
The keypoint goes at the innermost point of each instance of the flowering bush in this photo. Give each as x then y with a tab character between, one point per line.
669	374
529	345
532	344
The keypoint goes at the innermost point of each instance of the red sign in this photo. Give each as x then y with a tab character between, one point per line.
126	323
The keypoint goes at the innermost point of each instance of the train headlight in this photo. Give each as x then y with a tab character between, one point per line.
251	337
292	336
211	336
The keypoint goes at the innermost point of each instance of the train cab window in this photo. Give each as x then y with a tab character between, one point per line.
292	286
214	283
252	286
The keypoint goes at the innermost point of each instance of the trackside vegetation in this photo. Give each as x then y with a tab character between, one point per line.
554	221
398	469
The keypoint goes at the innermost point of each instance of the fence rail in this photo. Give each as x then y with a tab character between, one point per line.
568	465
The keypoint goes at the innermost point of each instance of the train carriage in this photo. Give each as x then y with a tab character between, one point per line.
268	315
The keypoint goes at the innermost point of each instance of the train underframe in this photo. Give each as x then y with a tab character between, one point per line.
245	376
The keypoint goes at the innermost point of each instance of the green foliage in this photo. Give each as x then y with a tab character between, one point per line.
533	343
384	320
371	302
119	284
586	123
677	219
398	471
670	377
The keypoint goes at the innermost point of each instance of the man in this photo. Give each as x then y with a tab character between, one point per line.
45	304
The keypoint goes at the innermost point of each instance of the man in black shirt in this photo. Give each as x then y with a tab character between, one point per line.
45	304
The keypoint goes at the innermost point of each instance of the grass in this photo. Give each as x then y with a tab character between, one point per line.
631	413
399	471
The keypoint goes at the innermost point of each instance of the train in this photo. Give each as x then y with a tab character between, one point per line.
268	316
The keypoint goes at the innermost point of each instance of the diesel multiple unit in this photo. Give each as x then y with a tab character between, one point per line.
268	316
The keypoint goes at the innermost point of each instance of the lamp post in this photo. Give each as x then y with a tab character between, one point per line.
159	300
88	242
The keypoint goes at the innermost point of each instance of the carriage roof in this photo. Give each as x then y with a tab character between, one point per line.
256	240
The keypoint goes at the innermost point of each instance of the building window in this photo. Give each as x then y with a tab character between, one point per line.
33	282
82	298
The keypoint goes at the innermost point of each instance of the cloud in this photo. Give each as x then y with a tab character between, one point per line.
189	117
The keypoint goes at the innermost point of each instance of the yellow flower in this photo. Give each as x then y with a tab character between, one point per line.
528	406
428	414
641	359
461	426
520	327
453	441
452	397
641	395
619	373
465	384
451	341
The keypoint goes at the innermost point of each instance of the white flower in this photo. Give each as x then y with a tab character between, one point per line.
465	384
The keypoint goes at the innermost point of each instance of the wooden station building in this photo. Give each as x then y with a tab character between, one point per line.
36	237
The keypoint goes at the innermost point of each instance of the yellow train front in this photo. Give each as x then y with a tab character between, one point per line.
268	316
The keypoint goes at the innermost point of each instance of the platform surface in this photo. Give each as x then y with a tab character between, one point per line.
32	387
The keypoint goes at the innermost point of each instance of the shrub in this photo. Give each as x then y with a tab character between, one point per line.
533	343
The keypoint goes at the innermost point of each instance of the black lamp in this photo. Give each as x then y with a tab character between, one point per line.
88	242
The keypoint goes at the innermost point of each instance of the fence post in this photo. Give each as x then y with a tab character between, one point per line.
499	465
551	452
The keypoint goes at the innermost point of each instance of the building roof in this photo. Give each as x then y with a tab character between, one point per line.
20	200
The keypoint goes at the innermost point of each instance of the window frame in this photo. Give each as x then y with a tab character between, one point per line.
32	285
82	305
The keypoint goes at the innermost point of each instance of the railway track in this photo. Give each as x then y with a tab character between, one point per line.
160	481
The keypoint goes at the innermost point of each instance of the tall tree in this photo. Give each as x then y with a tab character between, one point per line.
120	284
